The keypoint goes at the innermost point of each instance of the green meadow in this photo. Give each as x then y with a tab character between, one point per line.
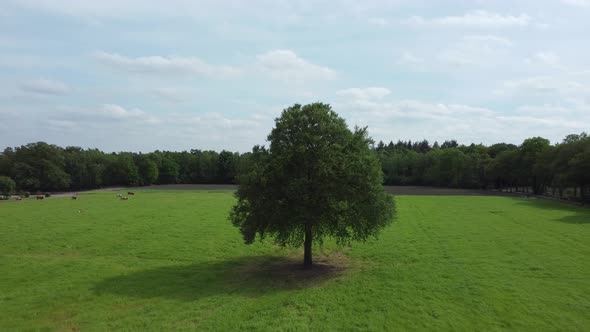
170	260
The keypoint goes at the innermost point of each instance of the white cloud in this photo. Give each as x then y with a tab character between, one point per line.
45	87
282	65
378	21
104	8
573	126
577	3
477	18
546	59
102	116
409	58
116	128
488	39
285	65
61	124
282	12
460	56
119	112
416	120
171	94
364	93
544	85
166	65
390	119
476	50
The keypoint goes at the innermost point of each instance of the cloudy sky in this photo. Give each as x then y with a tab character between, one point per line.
179	74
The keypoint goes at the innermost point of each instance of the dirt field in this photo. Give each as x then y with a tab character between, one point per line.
434	191
396	190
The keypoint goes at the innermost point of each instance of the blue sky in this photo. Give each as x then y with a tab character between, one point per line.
175	75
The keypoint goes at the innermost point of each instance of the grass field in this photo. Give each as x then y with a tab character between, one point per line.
167	260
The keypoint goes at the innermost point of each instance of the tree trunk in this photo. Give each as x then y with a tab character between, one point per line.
307	262
560	192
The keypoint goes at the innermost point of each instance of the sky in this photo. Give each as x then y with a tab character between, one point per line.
176	75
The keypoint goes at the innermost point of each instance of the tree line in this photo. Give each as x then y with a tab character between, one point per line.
38	167
535	166
560	170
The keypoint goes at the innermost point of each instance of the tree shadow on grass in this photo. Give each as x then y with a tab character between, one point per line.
578	218
248	276
578	214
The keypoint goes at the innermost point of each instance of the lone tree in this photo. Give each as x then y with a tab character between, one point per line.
317	179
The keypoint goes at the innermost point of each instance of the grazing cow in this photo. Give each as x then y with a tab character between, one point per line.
130	193
40	197
18	198
124	198
74	197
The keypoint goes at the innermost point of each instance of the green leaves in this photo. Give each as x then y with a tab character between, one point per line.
316	171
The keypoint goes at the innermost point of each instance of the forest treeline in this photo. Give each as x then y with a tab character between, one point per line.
534	166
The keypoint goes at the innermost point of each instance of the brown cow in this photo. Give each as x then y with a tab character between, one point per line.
130	193
40	197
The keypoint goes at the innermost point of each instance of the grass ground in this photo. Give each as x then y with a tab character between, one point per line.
169	260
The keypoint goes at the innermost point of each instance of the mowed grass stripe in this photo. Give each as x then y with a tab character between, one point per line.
171	260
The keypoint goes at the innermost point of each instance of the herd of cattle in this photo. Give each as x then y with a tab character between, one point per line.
125	198
75	196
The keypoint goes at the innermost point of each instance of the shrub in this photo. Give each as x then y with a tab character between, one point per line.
26	194
47	194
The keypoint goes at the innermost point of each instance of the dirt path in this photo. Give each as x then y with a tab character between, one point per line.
396	190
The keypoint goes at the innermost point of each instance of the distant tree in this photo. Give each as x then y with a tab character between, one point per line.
25	176
187	167
449	144
226	167
529	152
500	170
496	149
422	147
122	171
40	166
318	179
6	161
380	146
7	186
580	171
168	171
543	169
534	164
147	169
54	178
574	138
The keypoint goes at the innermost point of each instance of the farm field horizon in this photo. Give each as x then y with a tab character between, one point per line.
170	260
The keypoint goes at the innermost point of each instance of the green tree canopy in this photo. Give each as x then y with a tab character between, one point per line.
317	179
147	169
7	186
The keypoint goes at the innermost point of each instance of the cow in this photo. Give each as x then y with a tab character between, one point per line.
18	198
119	195
130	193
38	197
74	197
124	198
